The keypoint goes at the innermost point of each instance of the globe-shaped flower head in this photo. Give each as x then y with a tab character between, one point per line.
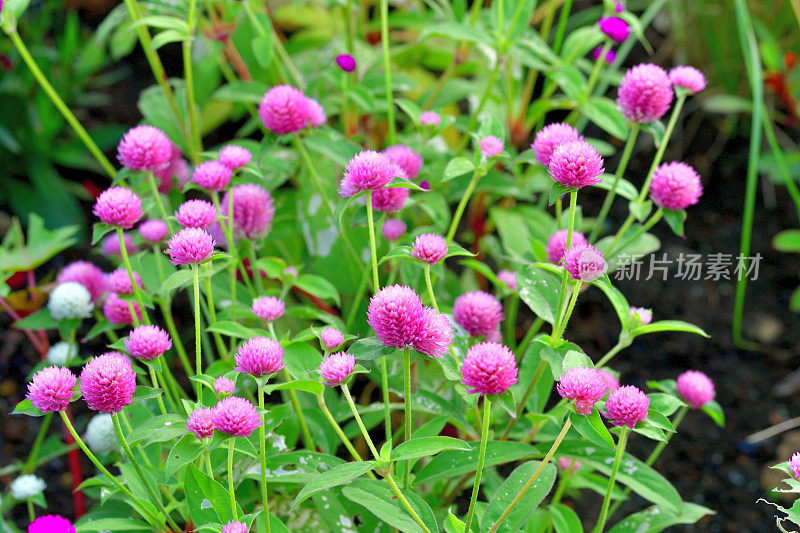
640	315
389	199
346	62
688	78
508	278
429	247
253	210
489	368
491	146
100	435
144	148
367	170
259	356
584	262
51	524
331	338
394	314
695	388
153	230
119	281
565	464
316	113
70	300
201	423
27	486
147	342
234	527
611	380
393	229
61	353
196	214
268	308
110	244
615	28
576	164
117	310
626	406
478	312
224	386
430	118
610	56
108	382
190	246
794	465
284	109
236	416
434	334
583	385
212	175
51	389
551	137
235	157
118	206
335	368
675	186
87	274
406	158
645	94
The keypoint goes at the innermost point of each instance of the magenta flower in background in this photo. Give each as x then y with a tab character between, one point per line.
316	113
147	342
584	262
190	246
144	148
259	356
641	315
434	335
430	118
224	386
51	389
367	170
212	175
331	338
253	210
489	368
394	314
611	380
153	230
675	186
508	278
108	382
346	62
491	146
478	312
87	274
235	157
645	93
335	368
429	247
236	416
50	523
389	199
619	7
196	214
177	167
611	55
119	281
494	336
688	78
565	464
406	158
234	527
551	137
116	310
118	206
284	109
615	28
794	465
268	308
583	385
110	244
393	229
695	388
201	423
627	406
576	164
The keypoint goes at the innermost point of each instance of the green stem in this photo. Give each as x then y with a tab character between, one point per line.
642	229
31	510
623	439
387	414
198	357
166	312
262	449
231	488
362	289
376	284
338	429
33	457
351	27
221	348
481	458
621	344
562	25
591	82
562	295
404	502
300	417
532	331
159	399
137	291
462	205
473	119
429	285
360	423
387	69
408	409
512	304
537	375
59	103
151	180
188	74
568	313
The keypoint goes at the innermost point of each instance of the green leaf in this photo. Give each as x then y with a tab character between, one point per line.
145	393
17	254
507	402
184	452
241	92
452	524
163	22
454	463
457	32
554	359
675	220
666	404
574	358
369	349
605	113
592	428
668	325
616	298
456	250
457	166
176	280
338	475
25	407
319	287
506	493
314	387
41	319
624	187
640	210
100	230
787	241
714	410
235	330
206	499
425	446
539	290
565	520
262	49
92	523
557	191
159	429
169	36
385	509
655	519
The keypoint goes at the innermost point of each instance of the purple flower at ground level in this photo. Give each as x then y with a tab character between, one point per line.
627	406
551	137
695	388
212	175
583	385
147	342
153	230
346	62
434	335
144	148
335	368
50	523
367	170
87	274
108	382
196	214
675	186
430	118
201	423
236	416
489	368
51	389
491	146
259	356
576	164
615	28
645	93
235	157
393	229
584	262
688	78
190	246
268	308
253	210
429	247
478	312
394	314
406	158
118	206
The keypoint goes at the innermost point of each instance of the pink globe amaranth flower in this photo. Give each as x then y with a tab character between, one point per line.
190	246
87	274
641	315
434	334
51	524
316	113
794	465
393	229
615	28
212	175
389	199
551	137
612	383
235	157
644	94
430	118
259	356
695	388
478	312
430	248
331	338
619	7
394	313
116	310
675	186
153	230
51	388
611	55
201	423
234	527
405	158
489	368
491	146
144	148
236	416
224	386
119	281
367	170
118	206
108	382
346	62
253	210
284	109
688	78
425	185
110	244
196	214
177	167
565	464
583	385
584	262
268	308
508	278
335	368
626	406
576	164
147	342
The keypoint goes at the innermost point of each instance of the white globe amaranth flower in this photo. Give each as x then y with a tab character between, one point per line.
70	300
61	353
27	486
100	436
